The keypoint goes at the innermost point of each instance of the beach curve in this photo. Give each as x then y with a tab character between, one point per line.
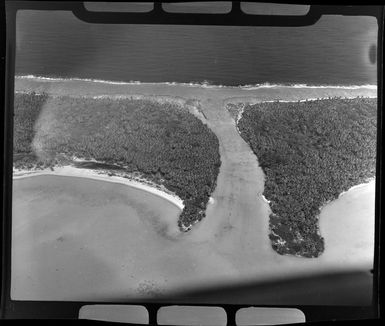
71	171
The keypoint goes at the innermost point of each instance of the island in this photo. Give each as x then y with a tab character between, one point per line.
310	151
158	143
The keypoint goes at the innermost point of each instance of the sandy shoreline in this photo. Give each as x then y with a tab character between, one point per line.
357	187
71	171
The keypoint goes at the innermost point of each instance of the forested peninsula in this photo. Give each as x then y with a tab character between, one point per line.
162	142
310	153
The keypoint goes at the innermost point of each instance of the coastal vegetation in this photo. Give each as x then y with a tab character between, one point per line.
310	153
162	142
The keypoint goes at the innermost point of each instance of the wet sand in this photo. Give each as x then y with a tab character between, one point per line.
231	244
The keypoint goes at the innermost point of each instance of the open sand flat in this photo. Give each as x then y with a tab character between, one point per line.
231	244
77	238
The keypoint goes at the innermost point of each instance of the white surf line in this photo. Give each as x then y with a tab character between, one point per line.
28	92
203	84
70	171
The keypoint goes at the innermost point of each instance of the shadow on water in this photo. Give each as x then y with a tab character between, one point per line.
348	288
373	54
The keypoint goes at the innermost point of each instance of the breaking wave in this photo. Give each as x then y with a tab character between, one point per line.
203	84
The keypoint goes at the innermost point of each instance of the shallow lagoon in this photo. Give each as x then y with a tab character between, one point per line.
83	239
77	236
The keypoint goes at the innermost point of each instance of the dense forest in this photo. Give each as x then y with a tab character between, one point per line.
163	142
310	152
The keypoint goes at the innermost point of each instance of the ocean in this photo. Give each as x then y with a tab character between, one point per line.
337	50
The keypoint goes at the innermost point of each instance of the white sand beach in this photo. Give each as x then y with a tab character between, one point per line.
71	171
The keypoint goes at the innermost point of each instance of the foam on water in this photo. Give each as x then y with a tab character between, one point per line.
203	84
